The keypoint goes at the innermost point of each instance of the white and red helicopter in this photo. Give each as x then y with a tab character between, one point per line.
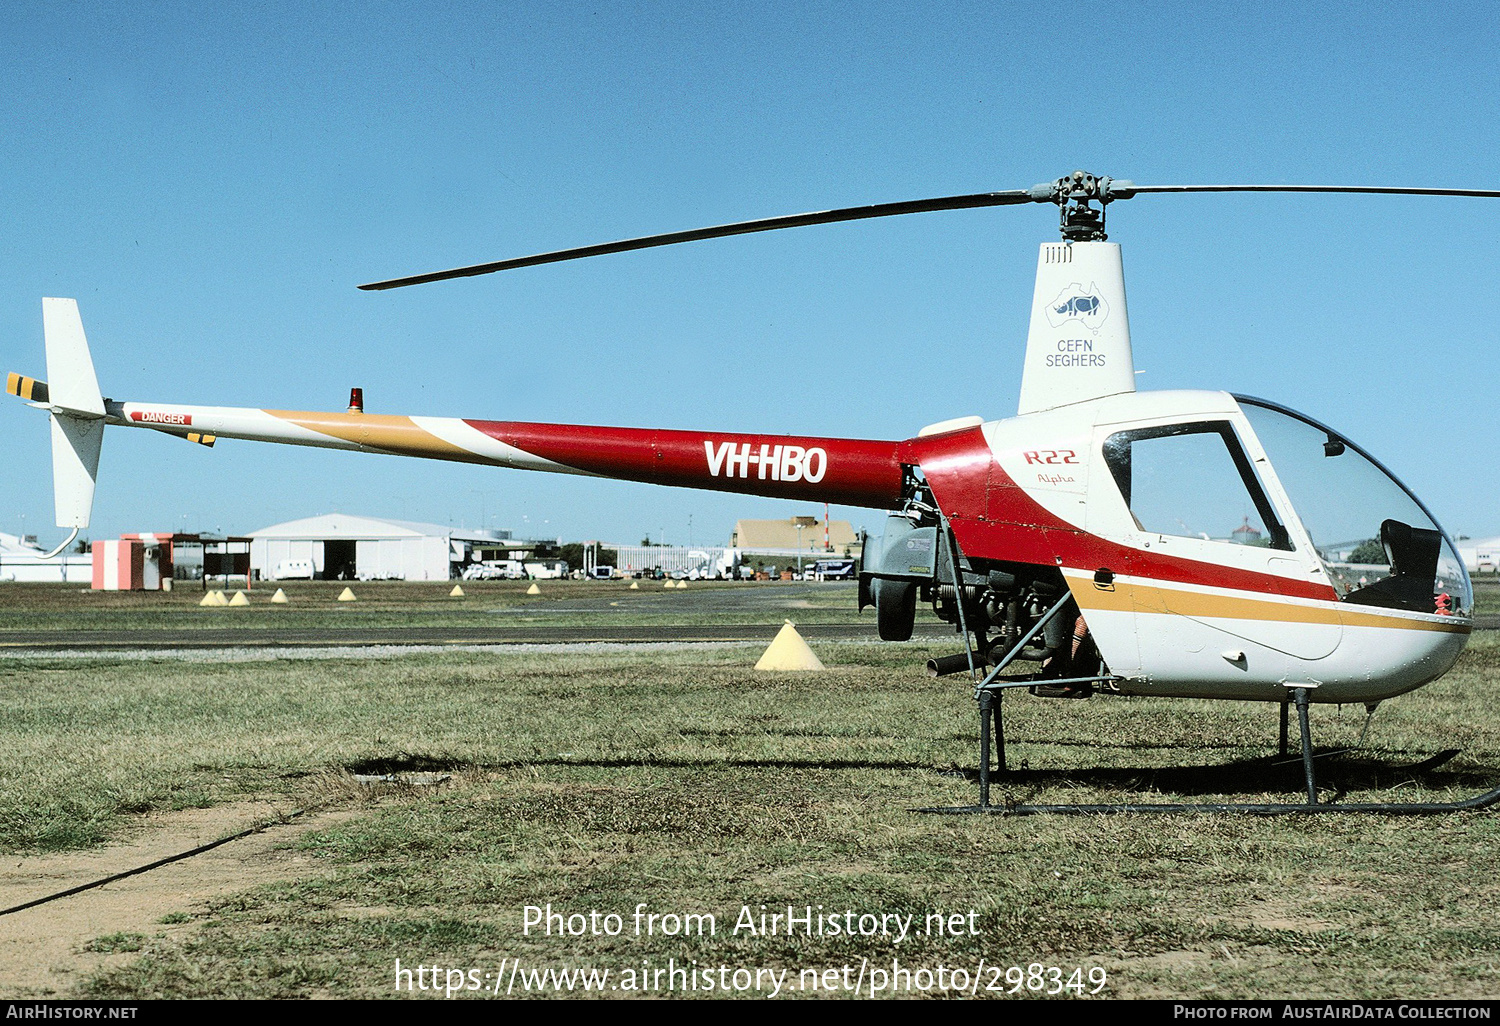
1103	532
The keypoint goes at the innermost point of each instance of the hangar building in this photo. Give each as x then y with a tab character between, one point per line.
1480	556
789	537
340	546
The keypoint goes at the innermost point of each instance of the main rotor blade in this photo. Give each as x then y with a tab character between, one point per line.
983	199
1387	190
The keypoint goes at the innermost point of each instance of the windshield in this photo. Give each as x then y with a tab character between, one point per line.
1377	542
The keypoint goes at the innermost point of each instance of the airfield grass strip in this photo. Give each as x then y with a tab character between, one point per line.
685	780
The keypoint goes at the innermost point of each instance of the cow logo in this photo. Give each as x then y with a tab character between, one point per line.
1076	303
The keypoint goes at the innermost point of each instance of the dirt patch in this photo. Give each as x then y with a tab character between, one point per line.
1276	915
49	949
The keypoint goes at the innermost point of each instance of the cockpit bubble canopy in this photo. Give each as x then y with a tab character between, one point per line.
1378	544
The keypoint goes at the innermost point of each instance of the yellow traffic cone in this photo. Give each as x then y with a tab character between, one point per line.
347	595
213	598
635	585
533	590
457	592
239	599
279	598
789	652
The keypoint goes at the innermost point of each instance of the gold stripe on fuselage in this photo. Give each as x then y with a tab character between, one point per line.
1123	596
387	433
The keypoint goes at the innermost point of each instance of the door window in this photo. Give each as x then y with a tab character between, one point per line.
1193	481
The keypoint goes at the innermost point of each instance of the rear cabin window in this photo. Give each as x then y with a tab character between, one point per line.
1193	481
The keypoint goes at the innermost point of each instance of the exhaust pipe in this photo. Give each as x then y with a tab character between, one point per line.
944	665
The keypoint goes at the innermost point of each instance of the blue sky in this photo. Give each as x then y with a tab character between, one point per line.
212	182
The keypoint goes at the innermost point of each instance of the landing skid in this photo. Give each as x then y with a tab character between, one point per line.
991	696
1482	801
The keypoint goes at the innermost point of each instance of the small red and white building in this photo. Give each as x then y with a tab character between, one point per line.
149	561
133	562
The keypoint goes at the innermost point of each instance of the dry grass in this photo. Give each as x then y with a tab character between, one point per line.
685	780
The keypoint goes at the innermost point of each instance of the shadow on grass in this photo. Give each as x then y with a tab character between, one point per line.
423	764
1336	770
1342	771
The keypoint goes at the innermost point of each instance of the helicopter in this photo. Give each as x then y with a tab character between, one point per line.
1102	533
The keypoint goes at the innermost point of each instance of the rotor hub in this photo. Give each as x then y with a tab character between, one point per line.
1081	199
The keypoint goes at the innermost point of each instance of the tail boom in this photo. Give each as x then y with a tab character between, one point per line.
851	471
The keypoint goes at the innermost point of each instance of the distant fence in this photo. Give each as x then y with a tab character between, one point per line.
669	558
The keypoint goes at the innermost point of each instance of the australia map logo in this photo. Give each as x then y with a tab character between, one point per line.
1076	303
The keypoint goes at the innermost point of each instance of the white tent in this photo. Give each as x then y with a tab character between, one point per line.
21	560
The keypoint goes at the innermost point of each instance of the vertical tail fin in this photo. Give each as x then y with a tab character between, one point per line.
70	370
1078	347
77	412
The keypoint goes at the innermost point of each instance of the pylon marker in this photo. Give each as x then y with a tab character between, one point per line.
788	651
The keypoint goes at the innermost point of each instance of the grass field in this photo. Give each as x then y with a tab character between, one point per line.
1487	594
313	604
601	779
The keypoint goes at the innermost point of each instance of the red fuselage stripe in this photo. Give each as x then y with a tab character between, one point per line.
994	518
849	471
